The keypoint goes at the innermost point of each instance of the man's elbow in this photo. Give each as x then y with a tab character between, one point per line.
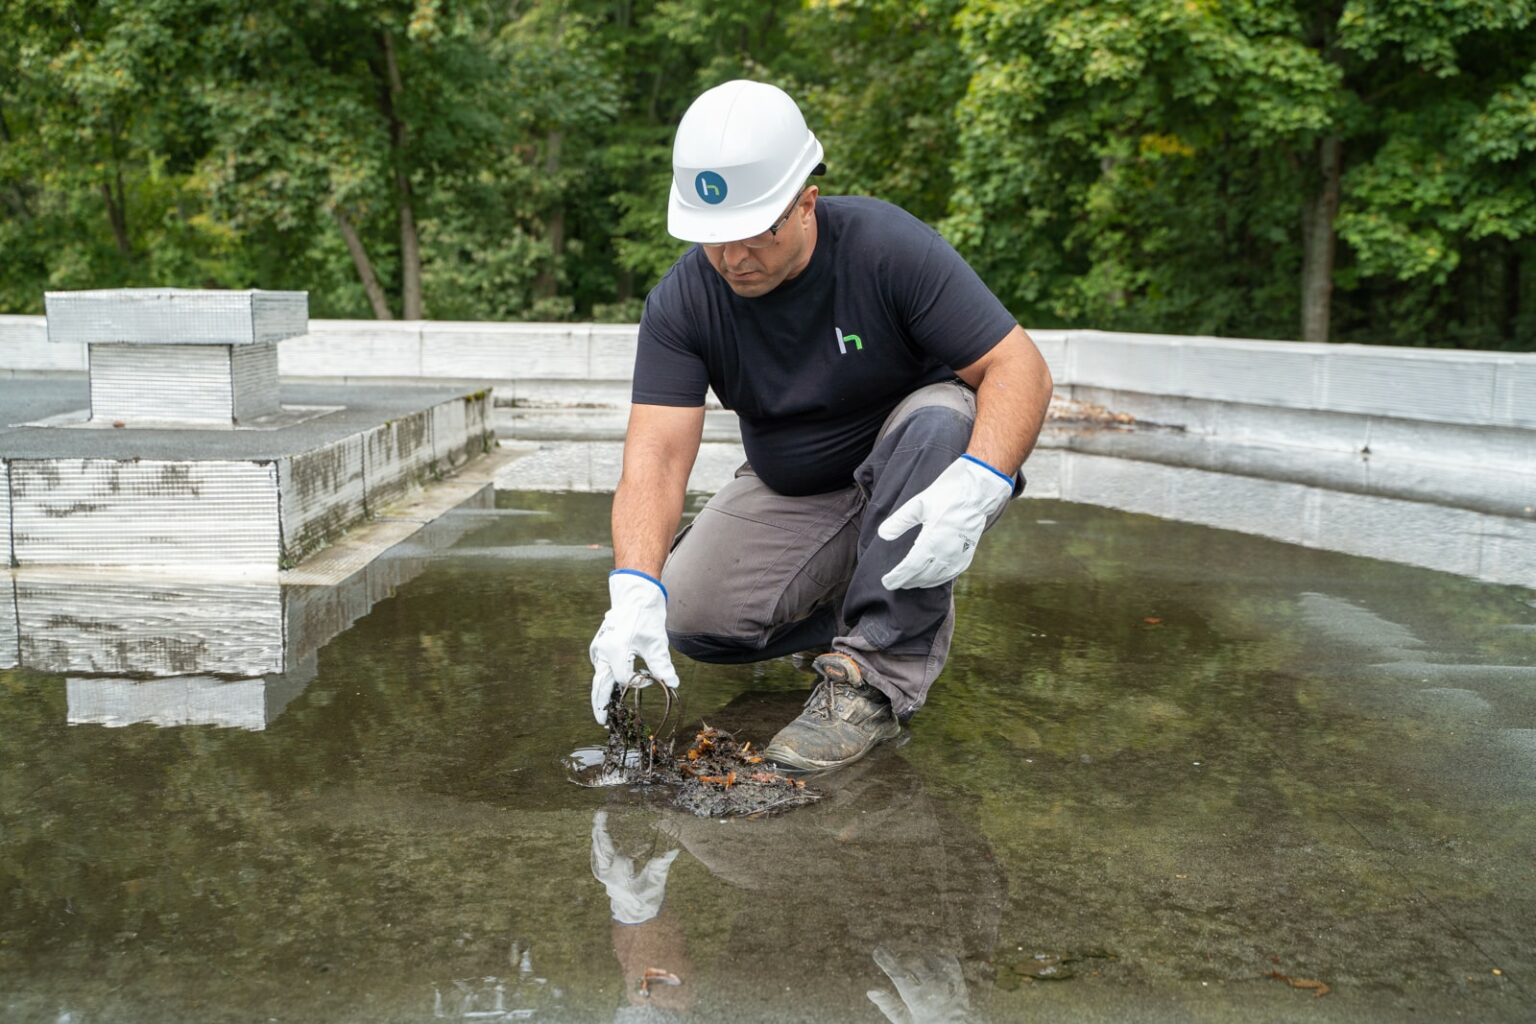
1036	368
1045	384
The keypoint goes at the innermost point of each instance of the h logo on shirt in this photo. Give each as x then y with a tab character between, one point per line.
844	340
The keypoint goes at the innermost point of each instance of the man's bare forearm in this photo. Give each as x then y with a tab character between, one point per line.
646	510
1012	397
659	451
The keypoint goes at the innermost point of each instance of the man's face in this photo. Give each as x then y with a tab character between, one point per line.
751	271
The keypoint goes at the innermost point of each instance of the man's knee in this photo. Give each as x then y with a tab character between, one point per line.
912	454
943	413
695	603
755	568
698	620
705	620
932	426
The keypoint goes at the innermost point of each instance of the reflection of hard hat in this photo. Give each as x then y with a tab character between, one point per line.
741	154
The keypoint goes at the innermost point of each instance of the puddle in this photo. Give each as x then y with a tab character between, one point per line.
1166	766
584	767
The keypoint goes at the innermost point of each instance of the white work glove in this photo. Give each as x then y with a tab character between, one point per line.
634	897
953	511
929	989
636	624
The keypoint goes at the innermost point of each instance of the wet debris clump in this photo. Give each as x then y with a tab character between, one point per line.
715	776
1047	967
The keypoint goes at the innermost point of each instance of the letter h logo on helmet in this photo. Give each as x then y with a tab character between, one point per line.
710	187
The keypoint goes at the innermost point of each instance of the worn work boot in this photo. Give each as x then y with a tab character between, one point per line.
844	720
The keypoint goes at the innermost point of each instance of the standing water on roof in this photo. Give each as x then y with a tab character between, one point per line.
1170	773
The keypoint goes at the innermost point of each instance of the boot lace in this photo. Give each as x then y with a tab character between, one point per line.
826	691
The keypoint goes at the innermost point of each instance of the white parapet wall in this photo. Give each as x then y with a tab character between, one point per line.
554	380
25	350
571	380
1420	405
1441	385
526	362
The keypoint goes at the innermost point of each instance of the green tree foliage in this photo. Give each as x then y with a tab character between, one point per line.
1189	167
96	147
1350	169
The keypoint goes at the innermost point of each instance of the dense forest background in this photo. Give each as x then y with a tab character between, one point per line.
1356	170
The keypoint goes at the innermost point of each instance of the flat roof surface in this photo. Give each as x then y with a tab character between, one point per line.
363	407
1176	769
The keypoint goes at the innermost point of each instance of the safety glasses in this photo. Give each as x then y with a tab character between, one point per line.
766	238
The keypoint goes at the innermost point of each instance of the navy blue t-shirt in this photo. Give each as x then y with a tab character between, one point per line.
813	368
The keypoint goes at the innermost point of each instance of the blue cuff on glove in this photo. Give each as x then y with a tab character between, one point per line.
653	579
990	468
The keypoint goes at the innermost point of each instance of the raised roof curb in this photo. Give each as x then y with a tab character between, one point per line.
247	501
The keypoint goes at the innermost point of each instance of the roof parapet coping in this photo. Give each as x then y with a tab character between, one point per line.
1468	387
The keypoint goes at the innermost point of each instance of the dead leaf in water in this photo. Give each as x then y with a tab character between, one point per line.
1319	988
657	976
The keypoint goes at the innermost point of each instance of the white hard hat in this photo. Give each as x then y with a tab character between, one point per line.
741	154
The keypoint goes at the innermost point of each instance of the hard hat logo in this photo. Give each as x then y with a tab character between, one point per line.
710	187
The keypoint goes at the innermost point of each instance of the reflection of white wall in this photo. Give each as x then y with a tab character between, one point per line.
191	634
1487	547
150	628
184	700
10	642
74	623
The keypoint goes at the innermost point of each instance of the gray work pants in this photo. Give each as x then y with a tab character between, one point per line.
758	574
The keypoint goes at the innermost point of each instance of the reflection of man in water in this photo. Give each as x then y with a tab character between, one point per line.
646	934
877	877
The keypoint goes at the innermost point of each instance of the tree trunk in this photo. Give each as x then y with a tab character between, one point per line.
18	195
548	282
653	106
1511	295
371	286
410	251
117	215
410	243
767	27
1321	208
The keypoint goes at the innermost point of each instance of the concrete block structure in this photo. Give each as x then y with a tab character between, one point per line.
184	456
177	356
224	500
